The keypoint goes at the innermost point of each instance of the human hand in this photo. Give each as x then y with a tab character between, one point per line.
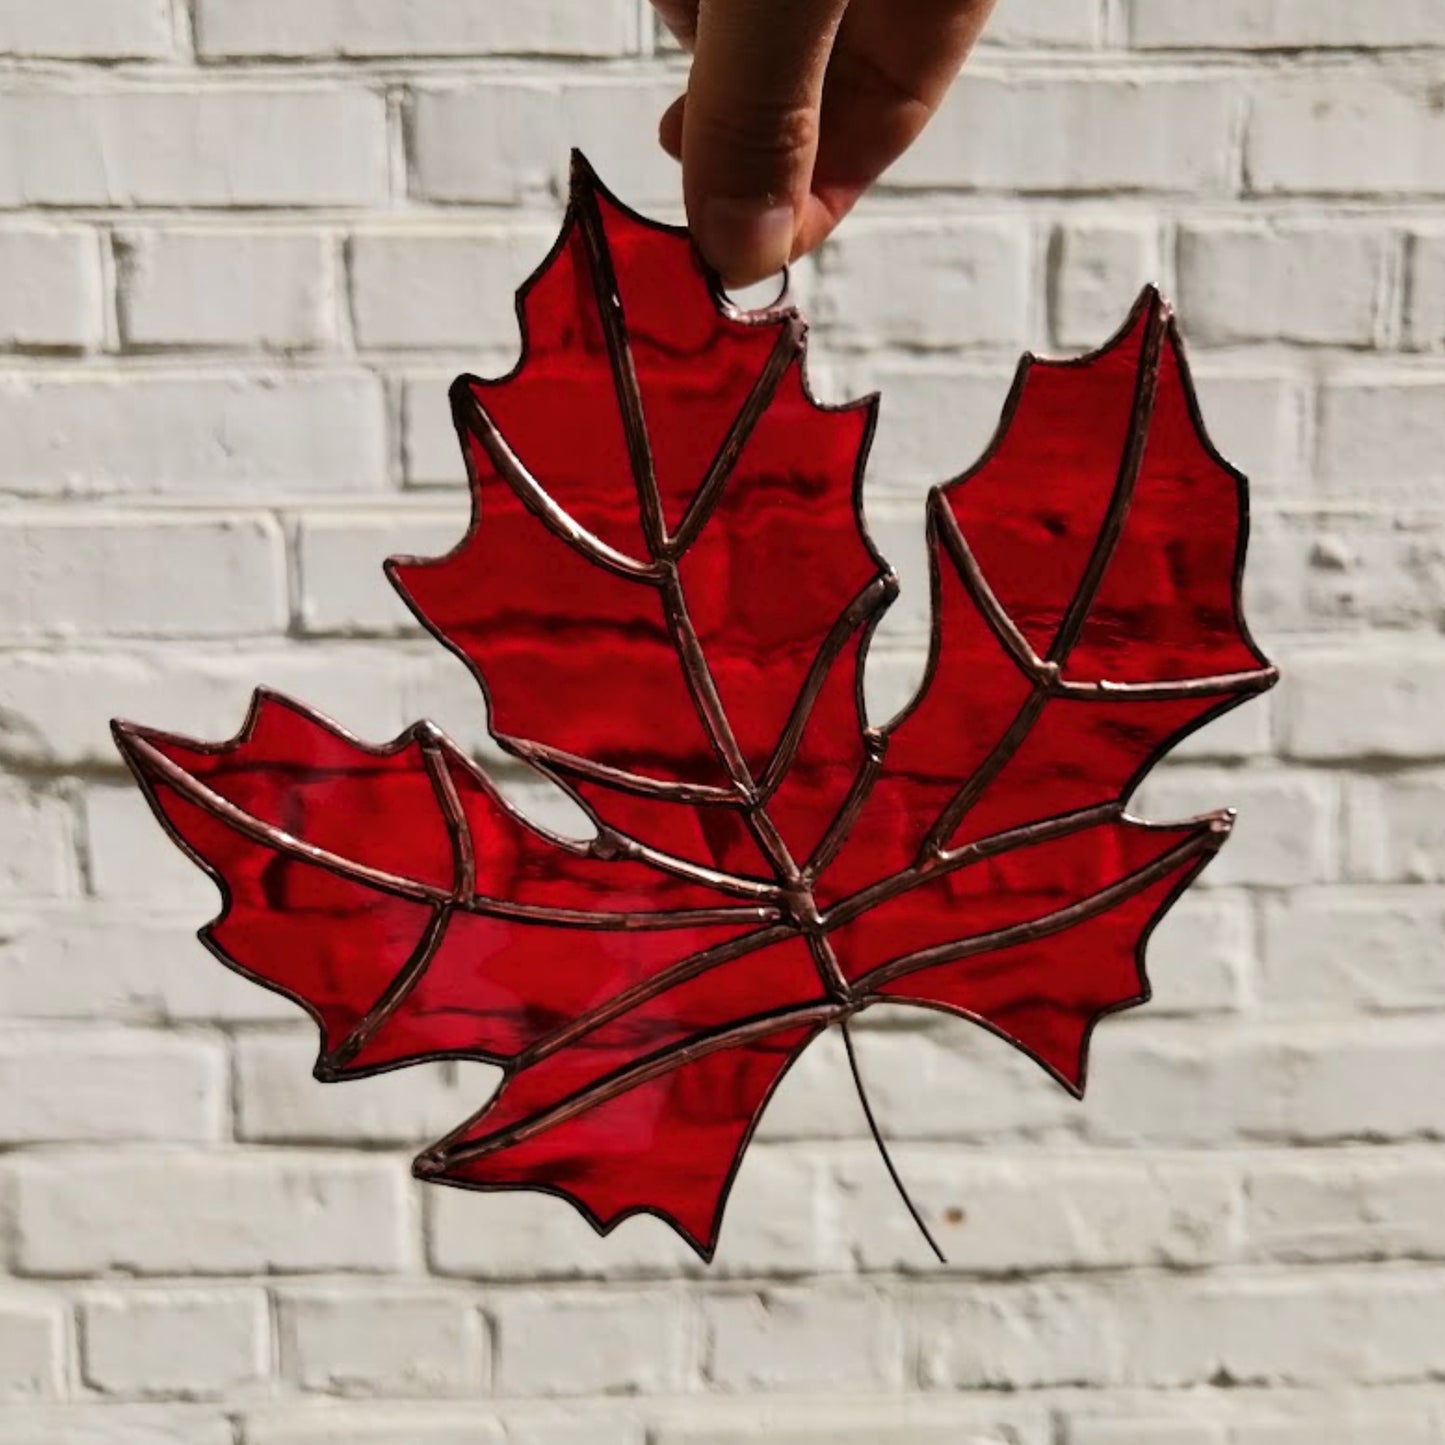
795	107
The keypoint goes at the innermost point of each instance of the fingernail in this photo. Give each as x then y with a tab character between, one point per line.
746	240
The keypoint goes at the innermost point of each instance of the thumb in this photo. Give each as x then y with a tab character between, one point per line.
750	129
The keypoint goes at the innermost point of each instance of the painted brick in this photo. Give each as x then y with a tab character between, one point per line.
803	1340
194	435
439	288
604	1343
80	575
37	844
936	285
1283	25
414	1425
101	1086
185	1343
1371	950
1346	1205
1094	266
259	28
1397	828
87	29
1045	24
343	587
1374	700
1264	281
86	964
387	1343
1027	133
1379	438
164	1213
223	147
1425	321
279	1102
32	1351
117	1425
182	288
55	299
1314	572
1315	133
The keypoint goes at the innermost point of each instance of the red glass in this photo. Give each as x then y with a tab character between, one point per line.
667	595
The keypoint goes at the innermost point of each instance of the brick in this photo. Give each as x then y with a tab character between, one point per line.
853	1420
1190	1086
431	454
519	159
1425	309
182	1343
1315	133
1201	955
1397	828
1027	132
32	1351
538	1237
1151	1431
87	29
962	1084
1379	438
210	1214
37	844
1368	950
1047	24
585	1429
117	1425
88	1085
1353	1424
1328	1206
389	1343
1256	419
605	1343
1286	829
1372	701
375	1425
935	419
108	576
219	147
1094	265
59	305
404	28
179	288
944	285
88	963
1266	281
428	288
343	588
279	1102
835	1341
1283	25
1037	1212
1317	1330
530	129
1341	571
132	860
50	713
194	435
773	1227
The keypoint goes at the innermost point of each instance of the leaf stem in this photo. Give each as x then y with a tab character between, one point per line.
883	1148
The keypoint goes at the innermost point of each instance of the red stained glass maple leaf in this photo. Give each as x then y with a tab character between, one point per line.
667	593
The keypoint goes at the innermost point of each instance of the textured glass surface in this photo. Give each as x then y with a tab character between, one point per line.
667	595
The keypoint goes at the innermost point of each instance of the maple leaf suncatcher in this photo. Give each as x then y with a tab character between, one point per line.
667	593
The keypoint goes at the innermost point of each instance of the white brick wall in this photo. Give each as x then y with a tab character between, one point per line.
244	245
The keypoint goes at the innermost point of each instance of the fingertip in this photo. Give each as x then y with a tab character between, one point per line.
745	240
669	128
